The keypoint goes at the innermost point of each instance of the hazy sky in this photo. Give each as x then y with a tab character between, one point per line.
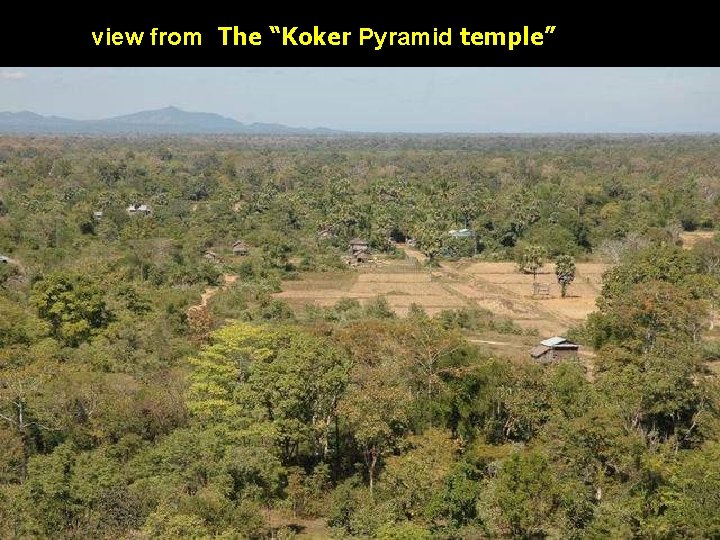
387	99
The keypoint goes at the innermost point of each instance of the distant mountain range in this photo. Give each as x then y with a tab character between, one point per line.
167	121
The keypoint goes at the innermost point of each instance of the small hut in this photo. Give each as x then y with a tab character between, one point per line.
361	257
461	233
240	248
212	256
139	209
541	289
554	349
359	250
326	234
358	245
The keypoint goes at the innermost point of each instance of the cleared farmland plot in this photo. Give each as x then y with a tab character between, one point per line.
401	289
497	287
500	288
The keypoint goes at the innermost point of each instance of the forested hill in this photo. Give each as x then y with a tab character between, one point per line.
154	383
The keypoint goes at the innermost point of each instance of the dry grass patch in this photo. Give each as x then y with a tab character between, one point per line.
497	287
690	238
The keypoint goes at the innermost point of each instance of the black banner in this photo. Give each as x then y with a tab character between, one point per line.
217	36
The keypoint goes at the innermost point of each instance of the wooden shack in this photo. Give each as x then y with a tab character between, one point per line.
139	209
240	248
212	256
358	245
541	289
326	234
359	251
361	257
554	349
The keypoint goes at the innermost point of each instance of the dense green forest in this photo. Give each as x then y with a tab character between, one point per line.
125	412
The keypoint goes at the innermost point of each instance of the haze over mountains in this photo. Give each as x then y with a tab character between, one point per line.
165	121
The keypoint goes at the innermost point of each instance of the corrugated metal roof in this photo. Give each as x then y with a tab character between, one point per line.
538	351
460	233
551	342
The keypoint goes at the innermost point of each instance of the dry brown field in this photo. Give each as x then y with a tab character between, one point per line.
497	287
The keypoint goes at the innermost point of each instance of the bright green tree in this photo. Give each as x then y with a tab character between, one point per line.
565	271
413	480
531	259
527	493
73	305
281	380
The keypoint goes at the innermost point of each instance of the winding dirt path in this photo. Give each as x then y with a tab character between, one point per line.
228	279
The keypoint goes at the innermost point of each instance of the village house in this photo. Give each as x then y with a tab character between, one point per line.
139	209
554	349
97	215
240	248
212	256
326	234
461	233
358	245
361	257
359	251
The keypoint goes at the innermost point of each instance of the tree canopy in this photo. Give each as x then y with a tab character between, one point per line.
154	385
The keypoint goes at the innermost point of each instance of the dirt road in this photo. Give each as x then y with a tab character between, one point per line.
228	279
